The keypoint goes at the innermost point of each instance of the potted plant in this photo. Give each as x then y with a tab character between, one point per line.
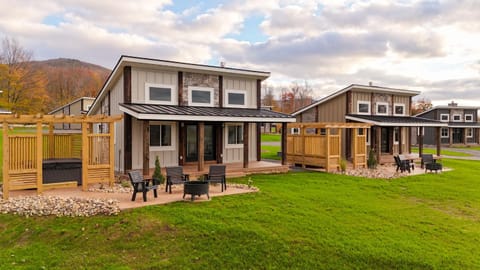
157	176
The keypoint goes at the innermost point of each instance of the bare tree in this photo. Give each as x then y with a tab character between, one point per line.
421	105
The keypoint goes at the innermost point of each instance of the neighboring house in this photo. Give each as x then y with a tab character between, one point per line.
387	109
169	107
463	126
77	107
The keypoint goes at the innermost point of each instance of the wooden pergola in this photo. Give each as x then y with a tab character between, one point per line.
320	144
24	154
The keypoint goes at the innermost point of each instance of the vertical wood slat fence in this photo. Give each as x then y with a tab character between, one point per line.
320	144
23	155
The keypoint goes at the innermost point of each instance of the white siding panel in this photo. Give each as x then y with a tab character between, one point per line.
252	144
137	144
142	76
116	97
248	85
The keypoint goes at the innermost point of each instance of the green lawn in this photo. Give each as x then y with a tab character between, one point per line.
296	221
271	137
443	152
270	152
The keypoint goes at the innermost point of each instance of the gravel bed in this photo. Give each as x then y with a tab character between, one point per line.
384	172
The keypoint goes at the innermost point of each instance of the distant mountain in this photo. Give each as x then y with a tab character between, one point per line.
68	79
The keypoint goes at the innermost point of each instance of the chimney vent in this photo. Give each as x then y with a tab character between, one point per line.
452	104
370	84
222	64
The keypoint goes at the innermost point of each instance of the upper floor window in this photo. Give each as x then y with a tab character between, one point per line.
468	117
200	96
399	109
457	117
444	117
159	93
236	98
382	108
161	136
444	133
234	135
363	107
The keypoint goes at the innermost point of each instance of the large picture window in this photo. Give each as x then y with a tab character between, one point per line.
161	136
363	107
200	96
159	94
234	135
236	98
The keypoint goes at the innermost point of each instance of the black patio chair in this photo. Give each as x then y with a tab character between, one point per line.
216	174
402	164
175	176
141	185
431	164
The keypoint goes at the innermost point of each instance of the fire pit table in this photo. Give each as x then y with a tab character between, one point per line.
195	188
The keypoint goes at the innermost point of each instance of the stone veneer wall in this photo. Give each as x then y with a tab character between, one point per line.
202	80
382	98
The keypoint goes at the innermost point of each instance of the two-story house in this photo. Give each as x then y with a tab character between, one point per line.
463	126
386	109
79	106
184	113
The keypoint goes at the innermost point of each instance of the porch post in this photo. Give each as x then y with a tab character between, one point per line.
146	147
378	143
284	144
181	143
409	135
450	137
400	141
437	137
420	141
465	135
219	142
200	145
259	140
245	145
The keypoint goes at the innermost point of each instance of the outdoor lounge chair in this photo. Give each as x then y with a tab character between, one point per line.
216	174
141	185
430	163
403	164
175	176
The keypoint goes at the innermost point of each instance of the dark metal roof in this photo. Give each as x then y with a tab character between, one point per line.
463	124
169	112
385	120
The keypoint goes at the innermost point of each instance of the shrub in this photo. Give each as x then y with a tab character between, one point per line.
372	160
157	173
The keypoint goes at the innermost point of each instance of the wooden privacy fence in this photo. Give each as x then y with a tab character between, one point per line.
24	154
320	144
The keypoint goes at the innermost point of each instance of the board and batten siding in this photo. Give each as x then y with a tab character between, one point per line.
333	110
116	97
232	155
359	96
245	84
405	100
142	76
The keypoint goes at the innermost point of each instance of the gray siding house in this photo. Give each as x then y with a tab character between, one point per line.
186	114
463	126
77	107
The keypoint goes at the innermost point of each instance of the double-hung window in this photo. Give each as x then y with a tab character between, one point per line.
234	135
162	136
444	133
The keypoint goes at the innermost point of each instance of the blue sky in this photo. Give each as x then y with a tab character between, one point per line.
426	45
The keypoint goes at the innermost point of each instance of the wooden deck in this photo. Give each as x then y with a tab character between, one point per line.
236	169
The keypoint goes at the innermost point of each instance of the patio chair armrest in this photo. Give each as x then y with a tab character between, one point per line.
186	176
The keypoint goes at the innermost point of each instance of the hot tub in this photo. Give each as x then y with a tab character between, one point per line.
57	170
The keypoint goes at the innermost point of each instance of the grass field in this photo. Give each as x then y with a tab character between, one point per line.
270	152
296	221
271	137
443	152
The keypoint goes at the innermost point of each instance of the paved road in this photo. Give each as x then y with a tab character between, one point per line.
475	154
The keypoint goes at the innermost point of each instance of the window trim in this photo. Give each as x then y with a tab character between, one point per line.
235	91
376	108
173	134
460	117
363	102
448	117
448	132
398	105
471	133
470	115
200	88
173	96
228	145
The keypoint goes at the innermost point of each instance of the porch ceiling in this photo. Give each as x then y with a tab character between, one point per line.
395	121
190	113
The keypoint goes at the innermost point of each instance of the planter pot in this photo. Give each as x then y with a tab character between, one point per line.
195	188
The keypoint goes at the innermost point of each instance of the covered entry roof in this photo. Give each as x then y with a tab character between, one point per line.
190	113
395	121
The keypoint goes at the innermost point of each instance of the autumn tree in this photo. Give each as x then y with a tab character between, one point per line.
269	97
23	87
421	105
295	96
